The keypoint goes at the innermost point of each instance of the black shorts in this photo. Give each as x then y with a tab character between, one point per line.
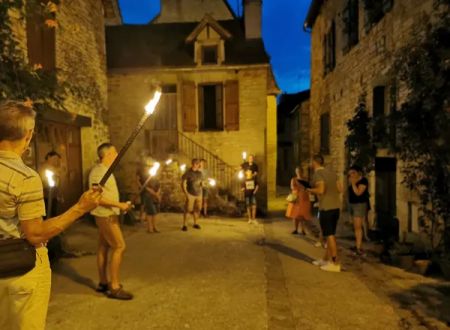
328	221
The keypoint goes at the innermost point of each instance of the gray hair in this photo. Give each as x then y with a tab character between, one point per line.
16	119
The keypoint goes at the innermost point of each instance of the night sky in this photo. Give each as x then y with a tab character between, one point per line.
287	44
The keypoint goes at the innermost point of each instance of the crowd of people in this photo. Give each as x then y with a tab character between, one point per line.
327	188
26	200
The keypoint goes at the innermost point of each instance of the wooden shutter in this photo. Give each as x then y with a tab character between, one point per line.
40	42
188	106
232	105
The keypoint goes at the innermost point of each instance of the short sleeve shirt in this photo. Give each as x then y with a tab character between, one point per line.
330	199
110	191
249	186
355	199
21	194
193	182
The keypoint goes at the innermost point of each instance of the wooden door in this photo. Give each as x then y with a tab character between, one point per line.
161	138
65	140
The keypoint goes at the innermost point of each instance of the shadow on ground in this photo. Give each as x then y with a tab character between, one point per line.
68	271
288	251
432	299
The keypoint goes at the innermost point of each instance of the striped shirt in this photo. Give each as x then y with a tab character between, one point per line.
110	191
21	194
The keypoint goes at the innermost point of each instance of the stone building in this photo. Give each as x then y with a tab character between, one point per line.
353	42
76	49
219	94
293	135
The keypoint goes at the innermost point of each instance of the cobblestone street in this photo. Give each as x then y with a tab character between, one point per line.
229	275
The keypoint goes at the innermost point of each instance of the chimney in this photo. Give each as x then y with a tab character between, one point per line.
252	18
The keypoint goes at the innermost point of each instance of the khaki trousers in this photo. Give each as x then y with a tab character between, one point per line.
24	299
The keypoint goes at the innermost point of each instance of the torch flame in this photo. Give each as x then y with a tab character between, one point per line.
212	182
151	105
169	161
241	174
50	180
244	155
154	169
183	167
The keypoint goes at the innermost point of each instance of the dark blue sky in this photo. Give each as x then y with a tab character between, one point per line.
287	44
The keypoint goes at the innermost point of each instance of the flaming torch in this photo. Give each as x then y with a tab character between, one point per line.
149	109
244	156
151	173
212	182
51	184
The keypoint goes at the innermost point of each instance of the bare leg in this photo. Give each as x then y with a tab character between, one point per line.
185	218
254	212
102	259
365	224
249	213
296	222
195	215
205	207
357	223
301	221
332	248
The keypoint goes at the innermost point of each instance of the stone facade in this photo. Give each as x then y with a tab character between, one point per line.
81	58
358	71
257	109
219	93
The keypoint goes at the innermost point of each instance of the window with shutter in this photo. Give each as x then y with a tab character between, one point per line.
210	109
329	48
325	133
40	42
188	107
232	105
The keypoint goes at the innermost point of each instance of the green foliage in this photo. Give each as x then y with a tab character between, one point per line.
359	140
423	122
18	79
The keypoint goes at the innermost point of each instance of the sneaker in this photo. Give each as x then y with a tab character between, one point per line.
103	288
249	221
196	226
319	262
119	294
331	267
295	232
318	244
184	228
359	253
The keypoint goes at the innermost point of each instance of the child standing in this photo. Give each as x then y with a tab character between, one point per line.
250	188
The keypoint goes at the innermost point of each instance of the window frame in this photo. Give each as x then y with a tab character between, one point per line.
201	107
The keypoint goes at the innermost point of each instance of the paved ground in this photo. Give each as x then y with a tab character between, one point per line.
231	275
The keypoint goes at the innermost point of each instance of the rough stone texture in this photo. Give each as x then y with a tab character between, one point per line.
187	10
360	70
129	91
80	54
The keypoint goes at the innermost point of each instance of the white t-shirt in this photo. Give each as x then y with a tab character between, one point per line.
110	191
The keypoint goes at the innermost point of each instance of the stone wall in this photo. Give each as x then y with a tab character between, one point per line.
358	71
130	91
80	55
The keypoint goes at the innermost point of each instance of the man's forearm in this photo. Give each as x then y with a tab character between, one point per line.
54	226
109	203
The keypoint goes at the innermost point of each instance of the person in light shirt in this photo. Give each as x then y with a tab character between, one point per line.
107	220
24	299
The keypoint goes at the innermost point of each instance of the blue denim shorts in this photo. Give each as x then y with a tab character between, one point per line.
250	200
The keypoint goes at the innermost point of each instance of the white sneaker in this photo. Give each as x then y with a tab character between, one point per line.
331	267
319	262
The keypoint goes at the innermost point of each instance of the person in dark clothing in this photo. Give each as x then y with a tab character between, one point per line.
250	188
250	165
358	198
191	184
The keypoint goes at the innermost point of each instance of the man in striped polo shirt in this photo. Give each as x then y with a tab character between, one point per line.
24	299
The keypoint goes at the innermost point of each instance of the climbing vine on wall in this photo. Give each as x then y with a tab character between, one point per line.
359	140
20	80
423	121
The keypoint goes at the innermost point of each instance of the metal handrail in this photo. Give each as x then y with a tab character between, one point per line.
224	173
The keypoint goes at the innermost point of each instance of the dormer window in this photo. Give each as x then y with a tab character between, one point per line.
209	42
209	54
